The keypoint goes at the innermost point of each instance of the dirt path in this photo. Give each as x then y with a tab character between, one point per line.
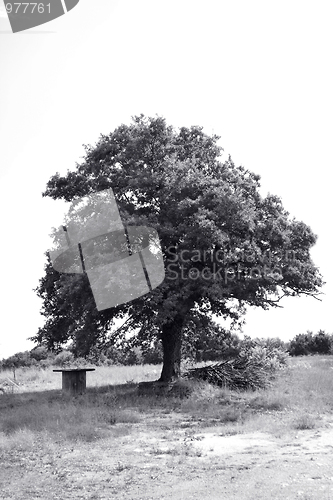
175	460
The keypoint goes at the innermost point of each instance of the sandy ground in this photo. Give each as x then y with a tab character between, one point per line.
145	461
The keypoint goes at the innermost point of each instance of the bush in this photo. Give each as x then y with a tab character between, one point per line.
38	357
20	359
208	342
153	355
39	353
64	358
307	343
322	343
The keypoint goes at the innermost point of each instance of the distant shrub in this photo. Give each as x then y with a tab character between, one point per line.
308	343
39	353
64	358
18	360
38	357
153	355
322	343
208	342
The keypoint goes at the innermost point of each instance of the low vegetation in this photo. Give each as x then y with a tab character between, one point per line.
310	343
115	436
36	407
212	344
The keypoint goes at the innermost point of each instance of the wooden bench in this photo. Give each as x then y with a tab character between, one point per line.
74	380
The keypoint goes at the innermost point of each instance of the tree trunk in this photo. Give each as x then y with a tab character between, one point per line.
171	342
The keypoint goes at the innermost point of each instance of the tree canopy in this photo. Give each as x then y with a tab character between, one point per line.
224	245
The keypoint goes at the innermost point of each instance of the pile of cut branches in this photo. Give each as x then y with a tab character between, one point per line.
238	373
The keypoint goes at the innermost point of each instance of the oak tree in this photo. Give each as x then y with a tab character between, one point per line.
224	245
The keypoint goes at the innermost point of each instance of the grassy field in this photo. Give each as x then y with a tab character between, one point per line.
302	393
37	421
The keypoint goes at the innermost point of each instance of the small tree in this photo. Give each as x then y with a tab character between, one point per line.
321	343
300	345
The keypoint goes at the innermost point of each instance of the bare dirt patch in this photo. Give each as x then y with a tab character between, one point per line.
170	456
114	443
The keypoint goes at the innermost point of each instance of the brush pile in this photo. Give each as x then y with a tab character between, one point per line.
252	368
238	373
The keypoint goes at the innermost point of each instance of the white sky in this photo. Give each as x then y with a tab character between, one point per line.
259	74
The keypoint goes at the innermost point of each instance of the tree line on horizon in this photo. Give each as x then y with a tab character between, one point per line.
212	345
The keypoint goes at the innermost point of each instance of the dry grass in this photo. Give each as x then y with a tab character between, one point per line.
101	445
34	379
297	400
